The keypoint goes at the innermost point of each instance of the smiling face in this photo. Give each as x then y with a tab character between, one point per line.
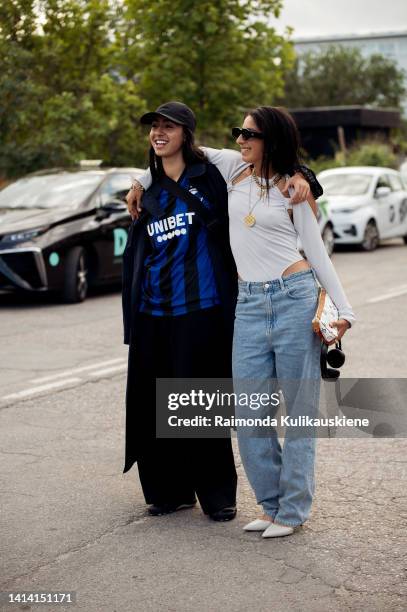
251	149
166	137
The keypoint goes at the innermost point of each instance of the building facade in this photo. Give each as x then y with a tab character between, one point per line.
325	130
392	45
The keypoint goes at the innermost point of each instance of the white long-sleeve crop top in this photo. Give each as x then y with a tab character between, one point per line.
265	250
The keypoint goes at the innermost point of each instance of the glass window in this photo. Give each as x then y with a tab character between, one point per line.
63	190
383	181
386	47
115	187
345	184
395	182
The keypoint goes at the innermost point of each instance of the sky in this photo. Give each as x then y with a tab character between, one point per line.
326	17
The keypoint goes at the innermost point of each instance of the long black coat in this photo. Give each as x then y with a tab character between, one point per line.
207	179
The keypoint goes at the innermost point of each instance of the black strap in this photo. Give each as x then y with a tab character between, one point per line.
312	180
210	221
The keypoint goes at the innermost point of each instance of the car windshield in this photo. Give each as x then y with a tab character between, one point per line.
346	184
66	190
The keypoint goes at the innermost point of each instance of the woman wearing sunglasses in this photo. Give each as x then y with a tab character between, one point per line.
239	172
273	337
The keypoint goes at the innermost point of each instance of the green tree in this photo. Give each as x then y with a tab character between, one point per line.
62	98
77	74
218	57
342	76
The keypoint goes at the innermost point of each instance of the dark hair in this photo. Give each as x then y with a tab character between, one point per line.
281	140
191	154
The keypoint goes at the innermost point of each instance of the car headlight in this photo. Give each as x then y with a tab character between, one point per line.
24	236
347	210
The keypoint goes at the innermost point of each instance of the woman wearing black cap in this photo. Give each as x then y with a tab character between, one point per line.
178	317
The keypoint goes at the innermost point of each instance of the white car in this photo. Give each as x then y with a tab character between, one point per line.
403	171
326	224
366	204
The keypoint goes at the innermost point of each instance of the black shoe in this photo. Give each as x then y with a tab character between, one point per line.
225	514
161	509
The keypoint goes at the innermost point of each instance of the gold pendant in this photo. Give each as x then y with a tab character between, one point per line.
250	220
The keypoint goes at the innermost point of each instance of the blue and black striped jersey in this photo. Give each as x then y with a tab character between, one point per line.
178	274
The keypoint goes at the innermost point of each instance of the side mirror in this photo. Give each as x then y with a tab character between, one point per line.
382	191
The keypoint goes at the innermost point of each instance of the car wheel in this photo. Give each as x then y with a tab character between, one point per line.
328	239
76	276
371	237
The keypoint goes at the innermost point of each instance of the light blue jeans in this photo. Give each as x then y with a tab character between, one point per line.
273	339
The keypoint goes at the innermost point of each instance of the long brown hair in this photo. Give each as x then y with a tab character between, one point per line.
281	140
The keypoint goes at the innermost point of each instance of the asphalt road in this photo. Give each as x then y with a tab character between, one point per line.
71	521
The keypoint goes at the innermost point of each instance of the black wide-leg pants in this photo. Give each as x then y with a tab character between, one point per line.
194	345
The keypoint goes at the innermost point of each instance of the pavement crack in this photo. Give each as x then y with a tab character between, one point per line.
67	553
303	572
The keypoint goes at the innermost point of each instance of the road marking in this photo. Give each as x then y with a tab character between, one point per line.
402	290
68	381
41	388
76	370
109	370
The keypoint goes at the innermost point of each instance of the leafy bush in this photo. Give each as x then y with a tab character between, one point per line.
364	153
371	153
323	163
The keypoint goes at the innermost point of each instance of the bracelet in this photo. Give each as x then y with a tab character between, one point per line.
136	186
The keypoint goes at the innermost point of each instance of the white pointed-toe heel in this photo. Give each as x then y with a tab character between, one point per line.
277	531
257	525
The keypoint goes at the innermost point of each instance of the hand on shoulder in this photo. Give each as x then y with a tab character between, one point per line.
133	199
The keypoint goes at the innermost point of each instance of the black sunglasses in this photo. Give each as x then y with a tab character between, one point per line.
245	134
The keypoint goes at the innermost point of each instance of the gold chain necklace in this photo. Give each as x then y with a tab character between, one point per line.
250	219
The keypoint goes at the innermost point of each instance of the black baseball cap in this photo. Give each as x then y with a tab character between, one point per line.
175	111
